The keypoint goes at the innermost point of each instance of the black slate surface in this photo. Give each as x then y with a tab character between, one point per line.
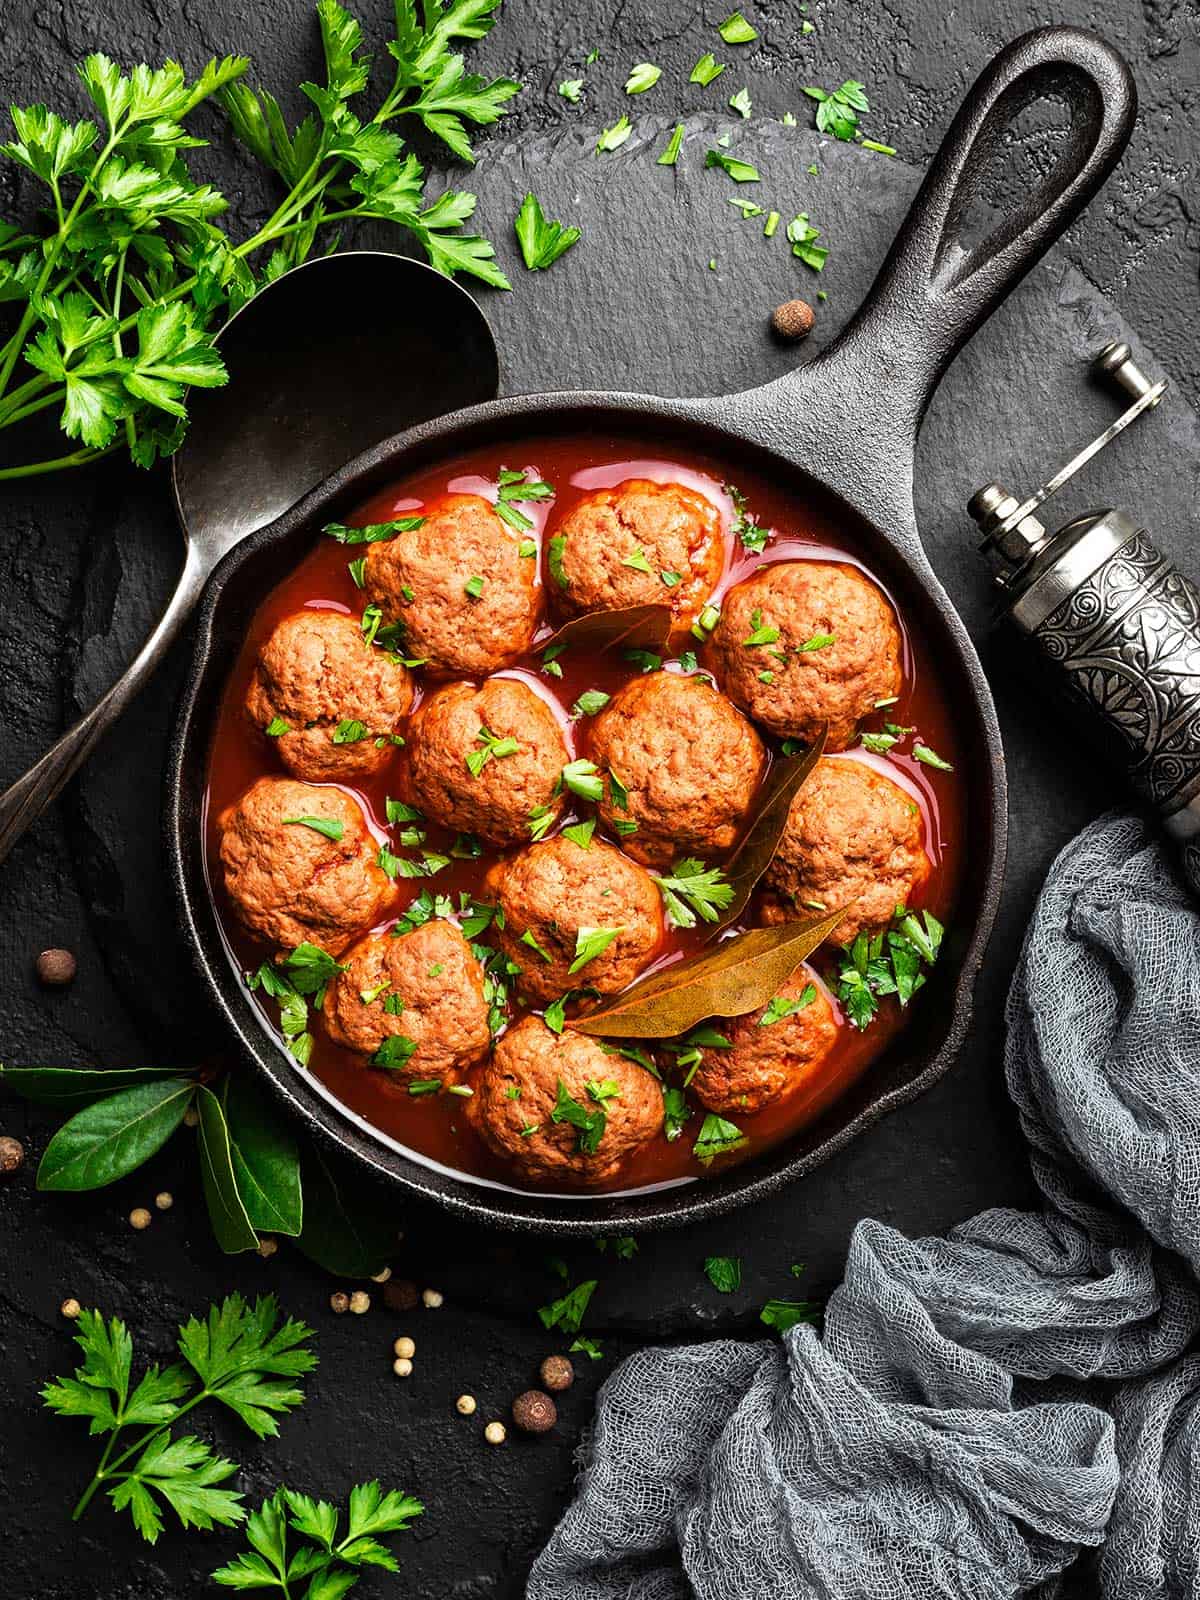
85	564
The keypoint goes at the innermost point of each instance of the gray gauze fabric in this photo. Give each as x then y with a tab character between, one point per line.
980	1408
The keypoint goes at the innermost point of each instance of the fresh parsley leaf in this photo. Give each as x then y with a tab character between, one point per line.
590	943
590	702
582	778
717	1137
613	138
541	242
781	1006
568	1312
673	146
277	1558
736	30
330	827
739	171
514	487
394	1053
724	1273
691	889
740	102
584	1345
571	89
493	749
277	727
838	109
555	551
642	77
878	743
676	1111
350	731
784	1314
372	532
706	69
401	811
589	1125
541	820
580	833
930	758
622	1245
891	963
802	236
761	633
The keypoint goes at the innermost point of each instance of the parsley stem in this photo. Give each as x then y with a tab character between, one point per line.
78	458
107	1470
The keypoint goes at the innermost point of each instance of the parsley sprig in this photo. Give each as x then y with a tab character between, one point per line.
239	1355
329	1562
691	889
895	961
119	284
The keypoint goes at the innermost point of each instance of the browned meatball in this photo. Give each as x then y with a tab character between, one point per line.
518	1091
688	761
288	881
467	599
771	1052
852	838
424	991
806	642
461	771
559	901
602	548
336	694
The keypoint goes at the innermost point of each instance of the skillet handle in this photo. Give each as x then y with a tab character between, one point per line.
936	287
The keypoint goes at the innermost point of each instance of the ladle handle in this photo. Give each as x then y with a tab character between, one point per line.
24	802
937	285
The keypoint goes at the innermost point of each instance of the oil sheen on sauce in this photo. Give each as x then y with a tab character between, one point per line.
433	1127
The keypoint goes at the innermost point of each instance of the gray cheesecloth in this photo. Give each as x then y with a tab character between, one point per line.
982	1412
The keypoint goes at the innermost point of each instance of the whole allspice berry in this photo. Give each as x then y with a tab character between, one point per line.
792	320
55	968
12	1156
401	1294
534	1412
557	1373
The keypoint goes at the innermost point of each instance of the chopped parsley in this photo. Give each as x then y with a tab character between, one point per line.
878	743
589	1125
603	1089
571	89
802	236
645	659
493	749
748	208
466	846
739	171
674	145
691	889
717	1137
676	1111
769	226
590	702
585	1345
724	1273
541	241
613	138
580	833
541	820
622	1245
349	732
513	488
779	1007
784	1314
582	778
555	1014
706	69
838	109
638	562
328	826
394	1005
527	548
473	588
671	578
892	962
705	623
401	811
276	727
819	641
736	30
923	753
394	1053
568	1312
424	1086
761	632
530	938
358	571
555	551
373	531
642	77
752	534
590	943
740	102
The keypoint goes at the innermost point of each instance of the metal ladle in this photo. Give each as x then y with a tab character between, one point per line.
329	359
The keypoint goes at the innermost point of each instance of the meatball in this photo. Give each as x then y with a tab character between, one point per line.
559	901
337	696
459	772
852	838
771	1052
687	760
522	1093
424	990
639	544
290	882
466	599
805	642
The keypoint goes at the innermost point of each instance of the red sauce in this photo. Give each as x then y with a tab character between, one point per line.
434	1127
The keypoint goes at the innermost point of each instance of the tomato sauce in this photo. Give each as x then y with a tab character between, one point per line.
434	1128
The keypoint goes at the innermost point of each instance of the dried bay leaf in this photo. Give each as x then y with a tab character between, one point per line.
643	627
731	979
761	839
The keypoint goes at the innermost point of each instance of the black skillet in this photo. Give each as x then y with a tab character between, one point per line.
843	427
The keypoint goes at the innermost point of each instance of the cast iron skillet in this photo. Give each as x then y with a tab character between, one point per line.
844	427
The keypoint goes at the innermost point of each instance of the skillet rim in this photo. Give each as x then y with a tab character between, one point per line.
727	424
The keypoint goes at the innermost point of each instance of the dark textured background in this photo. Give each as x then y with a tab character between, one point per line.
84	565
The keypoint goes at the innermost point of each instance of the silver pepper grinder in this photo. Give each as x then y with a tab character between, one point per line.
1115	622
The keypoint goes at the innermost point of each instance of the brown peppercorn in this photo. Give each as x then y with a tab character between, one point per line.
557	1373
71	1308
534	1412
793	319
12	1157
55	968
339	1302
401	1294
